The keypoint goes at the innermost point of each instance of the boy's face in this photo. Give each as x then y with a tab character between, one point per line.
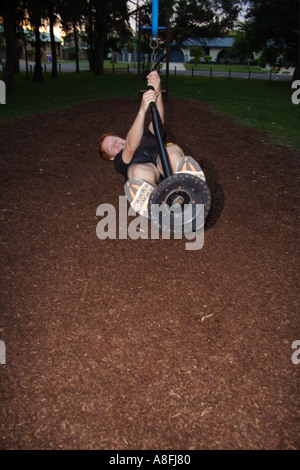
113	145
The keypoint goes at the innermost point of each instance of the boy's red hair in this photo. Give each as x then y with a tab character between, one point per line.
102	153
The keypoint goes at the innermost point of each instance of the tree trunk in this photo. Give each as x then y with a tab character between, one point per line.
100	33
25	51
17	58
38	71
76	47
296	75
91	51
99	54
53	47
10	39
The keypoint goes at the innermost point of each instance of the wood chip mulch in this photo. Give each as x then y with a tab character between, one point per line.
142	344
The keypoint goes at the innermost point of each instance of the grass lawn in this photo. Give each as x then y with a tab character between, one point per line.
260	104
225	68
85	63
68	89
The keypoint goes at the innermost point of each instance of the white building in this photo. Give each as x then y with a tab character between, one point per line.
216	48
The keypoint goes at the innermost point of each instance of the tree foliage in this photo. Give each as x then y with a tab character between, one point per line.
102	23
197	52
242	47
7	13
105	19
192	19
202	18
197	18
275	25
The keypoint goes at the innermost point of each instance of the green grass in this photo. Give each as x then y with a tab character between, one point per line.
85	63
68	89
225	68
259	104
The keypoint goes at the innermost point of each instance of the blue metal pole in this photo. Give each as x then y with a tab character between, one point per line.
154	19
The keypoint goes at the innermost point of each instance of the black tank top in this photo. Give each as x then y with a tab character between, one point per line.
146	152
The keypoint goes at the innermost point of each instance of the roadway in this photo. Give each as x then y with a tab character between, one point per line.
179	69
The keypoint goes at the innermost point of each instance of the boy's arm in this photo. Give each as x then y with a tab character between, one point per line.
136	132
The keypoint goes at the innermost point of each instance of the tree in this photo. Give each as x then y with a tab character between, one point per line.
242	47
72	14
101	15
195	18
89	27
276	25
196	52
7	10
202	18
25	43
52	13
37	12
106	17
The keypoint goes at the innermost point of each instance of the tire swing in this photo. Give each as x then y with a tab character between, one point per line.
181	202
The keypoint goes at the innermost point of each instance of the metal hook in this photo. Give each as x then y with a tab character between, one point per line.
152	41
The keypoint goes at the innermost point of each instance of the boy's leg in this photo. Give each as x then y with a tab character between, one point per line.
142	180
145	176
181	163
144	171
174	153
189	165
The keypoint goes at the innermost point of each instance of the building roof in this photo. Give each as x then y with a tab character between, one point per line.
45	37
222	43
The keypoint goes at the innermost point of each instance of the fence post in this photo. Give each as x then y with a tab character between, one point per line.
210	73
175	71
270	77
59	68
229	74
